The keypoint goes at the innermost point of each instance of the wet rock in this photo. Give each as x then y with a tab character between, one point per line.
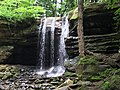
2	88
95	43
28	80
7	71
71	64
18	35
55	83
86	71
66	83
57	23
5	52
62	88
69	87
99	33
88	83
111	59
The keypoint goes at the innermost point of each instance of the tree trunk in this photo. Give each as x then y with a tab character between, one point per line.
80	28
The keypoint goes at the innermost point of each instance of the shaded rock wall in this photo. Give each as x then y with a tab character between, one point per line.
100	35
22	37
99	32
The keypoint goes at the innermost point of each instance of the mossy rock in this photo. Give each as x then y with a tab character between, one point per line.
113	83
88	60
91	8
7	71
87	66
86	71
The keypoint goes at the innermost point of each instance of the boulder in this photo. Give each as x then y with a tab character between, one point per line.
5	52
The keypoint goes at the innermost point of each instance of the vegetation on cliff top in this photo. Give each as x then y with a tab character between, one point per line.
106	4
17	10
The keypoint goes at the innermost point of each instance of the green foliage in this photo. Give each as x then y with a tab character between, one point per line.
110	78
106	85
114	4
104	74
95	78
69	74
117	19
113	83
88	60
111	5
17	10
49	6
55	8
74	14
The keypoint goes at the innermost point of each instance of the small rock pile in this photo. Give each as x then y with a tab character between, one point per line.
27	79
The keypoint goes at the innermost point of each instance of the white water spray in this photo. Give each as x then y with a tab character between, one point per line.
56	67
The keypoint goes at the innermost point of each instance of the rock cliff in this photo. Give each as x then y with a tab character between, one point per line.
99	33
20	39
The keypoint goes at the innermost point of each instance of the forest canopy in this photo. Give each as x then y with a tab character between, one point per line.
18	10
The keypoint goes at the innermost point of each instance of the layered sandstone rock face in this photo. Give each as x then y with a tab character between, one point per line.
100	35
18	42
21	38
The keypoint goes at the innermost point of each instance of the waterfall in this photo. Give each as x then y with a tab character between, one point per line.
52	55
52	42
64	34
41	44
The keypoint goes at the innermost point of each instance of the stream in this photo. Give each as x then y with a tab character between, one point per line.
29	80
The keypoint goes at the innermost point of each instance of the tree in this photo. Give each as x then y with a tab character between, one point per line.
18	10
80	28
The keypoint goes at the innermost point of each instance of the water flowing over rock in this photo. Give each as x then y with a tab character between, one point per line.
23	36
18	42
52	53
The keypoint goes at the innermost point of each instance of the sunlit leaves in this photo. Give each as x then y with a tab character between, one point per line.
17	10
53	10
75	14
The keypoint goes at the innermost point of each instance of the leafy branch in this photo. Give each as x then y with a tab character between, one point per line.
18	10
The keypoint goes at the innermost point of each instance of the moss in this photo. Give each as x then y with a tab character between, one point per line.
89	8
7	75
87	67
69	74
95	78
88	60
113	83
112	80
108	73
99	75
106	85
8	71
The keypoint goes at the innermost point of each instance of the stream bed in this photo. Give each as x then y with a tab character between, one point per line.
27	79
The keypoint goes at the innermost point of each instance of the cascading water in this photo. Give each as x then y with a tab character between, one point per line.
52	42
41	44
64	34
51	59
